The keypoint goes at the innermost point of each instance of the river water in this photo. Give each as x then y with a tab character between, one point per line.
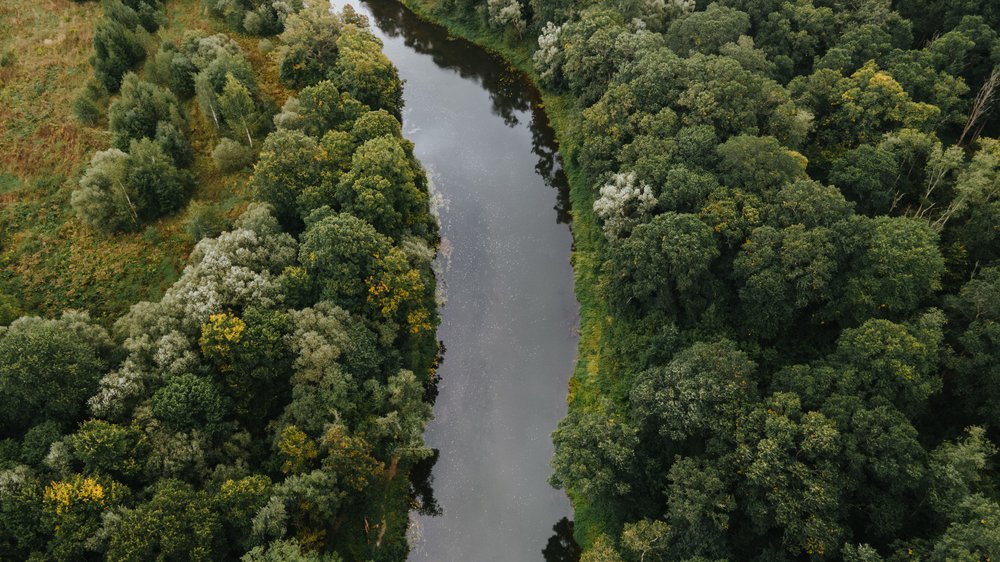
510	317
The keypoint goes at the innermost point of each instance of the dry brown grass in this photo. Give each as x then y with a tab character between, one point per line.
51	40
47	257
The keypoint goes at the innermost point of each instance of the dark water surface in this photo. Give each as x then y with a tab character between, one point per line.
510	317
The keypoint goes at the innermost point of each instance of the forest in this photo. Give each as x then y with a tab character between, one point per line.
218	303
269	403
786	219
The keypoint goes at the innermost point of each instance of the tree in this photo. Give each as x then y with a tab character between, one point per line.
289	163
320	108
782	272
176	523
339	251
22	526
894	362
898	267
210	83
787	461
381	187
548	59
48	369
703	391
647	540
230	156
108	448
623	205
867	176
117	49
664	259
707	31
507	14
239	111
595	452
597	45
736	102
154	185
141	112
363	71
190	402
758	164
74	507
699	503
310	46
238	502
103	201
176	65
975	320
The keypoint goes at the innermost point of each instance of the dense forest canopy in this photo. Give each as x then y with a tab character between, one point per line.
795	327
271	405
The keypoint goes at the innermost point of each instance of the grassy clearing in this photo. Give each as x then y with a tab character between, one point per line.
593	377
49	260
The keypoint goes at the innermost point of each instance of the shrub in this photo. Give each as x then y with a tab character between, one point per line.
231	156
205	220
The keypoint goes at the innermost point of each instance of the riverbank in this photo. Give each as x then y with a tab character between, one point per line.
587	385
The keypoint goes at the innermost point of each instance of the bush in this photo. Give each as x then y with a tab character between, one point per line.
231	156
87	110
205	220
8	59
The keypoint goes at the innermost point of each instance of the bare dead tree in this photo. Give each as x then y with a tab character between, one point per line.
980	108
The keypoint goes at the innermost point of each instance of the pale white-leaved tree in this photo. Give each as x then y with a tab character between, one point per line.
625	202
506	14
548	58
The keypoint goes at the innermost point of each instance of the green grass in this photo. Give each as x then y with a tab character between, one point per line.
595	374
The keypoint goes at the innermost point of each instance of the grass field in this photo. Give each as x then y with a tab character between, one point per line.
49	260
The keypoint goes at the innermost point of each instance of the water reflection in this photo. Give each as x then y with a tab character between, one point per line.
512	96
549	166
422	486
562	546
506	87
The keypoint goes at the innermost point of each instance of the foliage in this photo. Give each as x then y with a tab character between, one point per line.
797	327
230	156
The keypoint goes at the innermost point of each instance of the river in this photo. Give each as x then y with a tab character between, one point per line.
510	318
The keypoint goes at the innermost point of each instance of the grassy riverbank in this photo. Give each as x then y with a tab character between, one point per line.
590	380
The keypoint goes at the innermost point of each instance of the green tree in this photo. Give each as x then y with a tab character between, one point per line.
176	523
595	453
141	112
340	251
189	402
289	163
310	46
899	266
239	111
363	71
108	448
703	391
867	176
758	164
117	49
49	368
707	31
663	260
